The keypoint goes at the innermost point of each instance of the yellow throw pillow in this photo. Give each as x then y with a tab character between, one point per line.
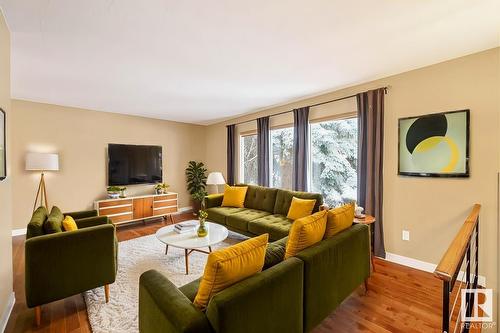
69	224
305	232
234	196
339	219
230	265
300	208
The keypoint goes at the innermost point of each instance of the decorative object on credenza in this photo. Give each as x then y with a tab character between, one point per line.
42	162
435	145
196	177
216	179
202	229
161	188
3	147
115	192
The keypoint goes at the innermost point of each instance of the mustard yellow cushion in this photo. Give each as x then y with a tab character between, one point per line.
305	232
300	208
69	224
234	196
339	219
227	266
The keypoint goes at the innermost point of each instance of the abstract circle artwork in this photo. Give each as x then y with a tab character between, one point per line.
435	145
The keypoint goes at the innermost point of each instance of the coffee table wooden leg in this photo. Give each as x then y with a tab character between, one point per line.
166	249
186	254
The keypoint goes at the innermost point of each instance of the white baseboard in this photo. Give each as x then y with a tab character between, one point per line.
7	311
18	232
410	262
425	266
185	209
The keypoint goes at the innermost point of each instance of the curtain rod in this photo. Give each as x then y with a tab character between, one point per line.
310	106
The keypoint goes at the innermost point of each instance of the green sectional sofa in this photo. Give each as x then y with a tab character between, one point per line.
65	263
265	211
333	269
292	295
270	301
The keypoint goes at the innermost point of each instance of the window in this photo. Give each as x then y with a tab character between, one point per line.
334	154
248	159
282	157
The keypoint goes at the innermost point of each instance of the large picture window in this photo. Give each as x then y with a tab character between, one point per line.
248	159
334	155
282	157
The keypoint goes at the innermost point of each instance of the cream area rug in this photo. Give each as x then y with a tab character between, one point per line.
135	257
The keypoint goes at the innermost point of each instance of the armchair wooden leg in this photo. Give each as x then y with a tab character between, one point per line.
38	315
106	292
366	286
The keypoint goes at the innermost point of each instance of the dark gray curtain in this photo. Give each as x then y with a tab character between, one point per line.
301	147
370	159
263	150
231	154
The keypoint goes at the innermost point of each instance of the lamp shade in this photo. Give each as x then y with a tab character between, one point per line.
42	162
215	178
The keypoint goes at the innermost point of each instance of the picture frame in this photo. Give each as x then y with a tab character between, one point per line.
434	145
3	147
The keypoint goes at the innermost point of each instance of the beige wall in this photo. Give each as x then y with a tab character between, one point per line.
5	185
431	209
81	137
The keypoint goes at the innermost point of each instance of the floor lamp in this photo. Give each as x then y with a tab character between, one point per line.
42	162
215	178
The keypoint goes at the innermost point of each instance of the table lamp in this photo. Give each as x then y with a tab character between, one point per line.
42	162
216	178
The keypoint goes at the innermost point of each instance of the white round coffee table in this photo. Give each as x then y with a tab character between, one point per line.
190	241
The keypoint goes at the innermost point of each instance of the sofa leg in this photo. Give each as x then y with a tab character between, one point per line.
366	286
106	292
38	315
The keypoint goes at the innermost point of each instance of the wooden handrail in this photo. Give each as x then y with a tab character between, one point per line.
453	256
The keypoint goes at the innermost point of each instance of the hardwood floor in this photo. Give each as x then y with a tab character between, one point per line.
399	299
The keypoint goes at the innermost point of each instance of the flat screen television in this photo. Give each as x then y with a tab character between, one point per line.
134	164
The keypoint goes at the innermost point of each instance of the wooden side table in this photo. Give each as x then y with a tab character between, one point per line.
368	220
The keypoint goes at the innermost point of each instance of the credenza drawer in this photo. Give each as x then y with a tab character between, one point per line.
122	202
121	218
115	210
165	203
166	210
165	197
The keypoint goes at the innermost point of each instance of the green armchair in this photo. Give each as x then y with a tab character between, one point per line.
63	264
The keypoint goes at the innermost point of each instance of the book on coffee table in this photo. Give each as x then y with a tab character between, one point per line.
185	226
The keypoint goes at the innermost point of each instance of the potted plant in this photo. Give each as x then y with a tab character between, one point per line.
161	188
196	176
114	192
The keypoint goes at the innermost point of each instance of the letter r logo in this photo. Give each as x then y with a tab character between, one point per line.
476	305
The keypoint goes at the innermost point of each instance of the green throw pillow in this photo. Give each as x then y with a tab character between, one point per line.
35	227
275	253
54	221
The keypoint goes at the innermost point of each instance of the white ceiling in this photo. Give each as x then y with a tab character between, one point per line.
201	61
